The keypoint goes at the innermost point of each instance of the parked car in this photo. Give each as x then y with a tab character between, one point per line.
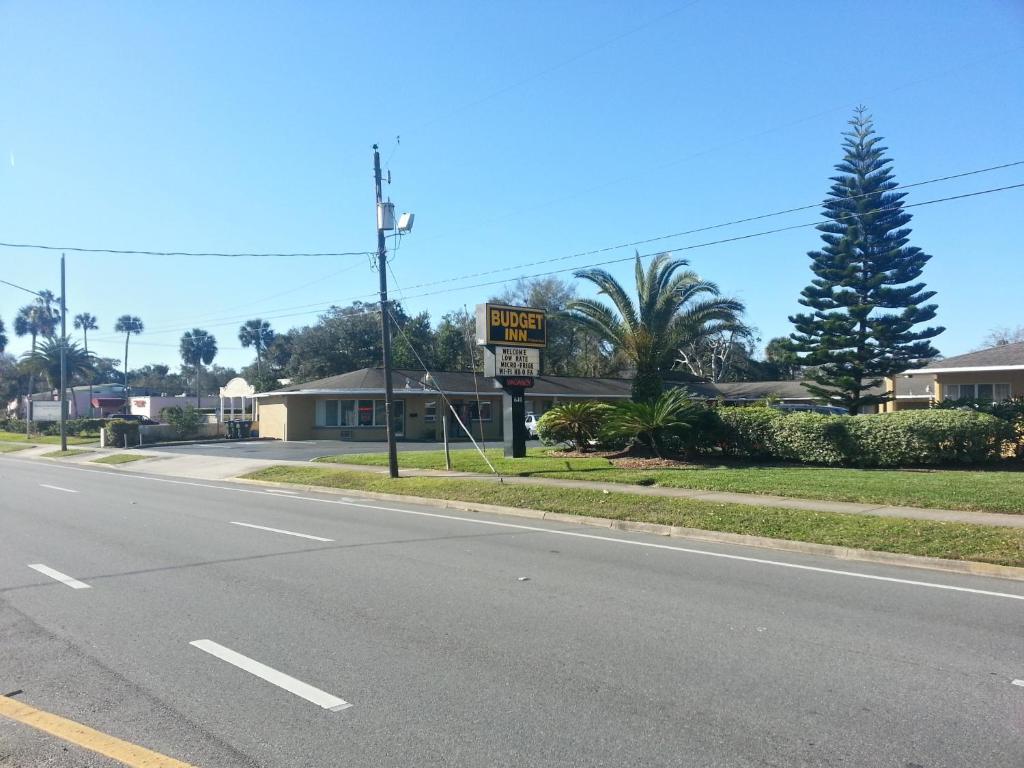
829	410
531	424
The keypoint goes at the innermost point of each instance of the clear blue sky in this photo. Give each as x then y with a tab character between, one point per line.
529	131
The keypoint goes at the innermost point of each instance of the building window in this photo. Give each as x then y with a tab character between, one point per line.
331	413
430	411
483	413
365	413
350	413
982	393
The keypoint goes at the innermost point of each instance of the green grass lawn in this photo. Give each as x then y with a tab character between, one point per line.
118	458
12	447
991	544
63	454
14	437
991	490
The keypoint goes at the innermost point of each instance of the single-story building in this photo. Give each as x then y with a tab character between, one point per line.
989	375
351	406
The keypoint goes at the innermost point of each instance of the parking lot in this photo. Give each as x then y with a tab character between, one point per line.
304	450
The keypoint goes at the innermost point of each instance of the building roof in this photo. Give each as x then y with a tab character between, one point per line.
1003	357
463	383
457	383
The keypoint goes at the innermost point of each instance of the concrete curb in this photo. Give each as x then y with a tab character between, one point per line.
963	567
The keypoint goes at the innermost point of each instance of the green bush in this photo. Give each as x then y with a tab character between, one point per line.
573	423
903	438
658	423
118	430
12	425
185	421
750	432
813	438
932	437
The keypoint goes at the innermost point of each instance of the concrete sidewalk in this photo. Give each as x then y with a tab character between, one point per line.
229	468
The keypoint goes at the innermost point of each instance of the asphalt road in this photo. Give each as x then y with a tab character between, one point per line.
468	640
304	450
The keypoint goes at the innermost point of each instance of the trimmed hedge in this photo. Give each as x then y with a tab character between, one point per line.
903	438
118	429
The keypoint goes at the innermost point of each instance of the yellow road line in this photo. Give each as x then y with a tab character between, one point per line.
83	736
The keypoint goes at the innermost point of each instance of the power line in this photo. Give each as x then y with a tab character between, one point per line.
21	288
658	238
712	242
125	252
311	307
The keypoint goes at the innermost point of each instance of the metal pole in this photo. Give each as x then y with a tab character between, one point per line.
444	431
385	324
63	360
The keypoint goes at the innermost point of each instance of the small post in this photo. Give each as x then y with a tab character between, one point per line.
444	432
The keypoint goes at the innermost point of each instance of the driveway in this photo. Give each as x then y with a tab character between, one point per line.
304	450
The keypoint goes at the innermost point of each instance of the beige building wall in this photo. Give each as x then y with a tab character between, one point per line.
273	421
1014	378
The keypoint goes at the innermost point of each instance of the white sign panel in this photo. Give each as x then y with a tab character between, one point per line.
46	410
512	361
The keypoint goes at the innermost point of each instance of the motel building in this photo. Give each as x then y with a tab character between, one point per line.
351	406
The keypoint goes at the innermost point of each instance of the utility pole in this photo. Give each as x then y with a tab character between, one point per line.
63	359
385	324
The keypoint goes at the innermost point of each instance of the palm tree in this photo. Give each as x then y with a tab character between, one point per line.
36	319
256	333
128	325
45	360
86	322
573	422
650	421
198	348
3	337
671	307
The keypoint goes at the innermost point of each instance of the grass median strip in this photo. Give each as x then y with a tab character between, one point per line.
118	458
63	454
954	541
991	490
19	437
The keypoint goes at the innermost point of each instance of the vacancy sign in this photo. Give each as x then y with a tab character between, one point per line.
512	361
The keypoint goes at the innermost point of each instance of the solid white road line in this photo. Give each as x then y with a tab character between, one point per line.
575	534
63	578
271	675
279	530
1019	682
56	488
281	490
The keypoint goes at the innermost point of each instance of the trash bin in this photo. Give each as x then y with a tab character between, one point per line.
244	428
232	425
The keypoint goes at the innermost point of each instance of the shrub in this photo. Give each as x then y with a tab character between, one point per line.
118	430
813	438
750	432
12	425
654	423
904	438
929	437
185	422
573	423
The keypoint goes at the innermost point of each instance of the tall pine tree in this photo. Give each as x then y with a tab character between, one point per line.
866	296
